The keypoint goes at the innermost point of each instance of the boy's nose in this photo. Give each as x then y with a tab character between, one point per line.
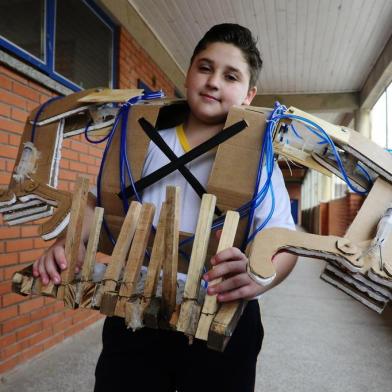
213	81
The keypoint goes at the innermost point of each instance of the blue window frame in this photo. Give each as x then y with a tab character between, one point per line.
40	51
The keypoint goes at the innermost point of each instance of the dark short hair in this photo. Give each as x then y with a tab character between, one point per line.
239	36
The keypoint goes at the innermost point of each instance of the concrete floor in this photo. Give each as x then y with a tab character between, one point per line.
317	339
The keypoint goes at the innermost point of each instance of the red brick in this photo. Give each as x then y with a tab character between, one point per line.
3	137
32	352
25	91
69	154
29	330
5	82
14	75
7	339
8	312
80	167
30	305
9	271
5	287
29	231
19	115
8	152
10	125
5	110
12	298
52	320
5	178
41	313
10	364
14	140
39	243
9	232
9	258
67	175
54	340
13	324
81	147
62	326
30	255
8	352
40	336
13	100
18	245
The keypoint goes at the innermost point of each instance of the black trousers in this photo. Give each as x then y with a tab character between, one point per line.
151	360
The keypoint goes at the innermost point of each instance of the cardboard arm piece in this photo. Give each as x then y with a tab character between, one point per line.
271	241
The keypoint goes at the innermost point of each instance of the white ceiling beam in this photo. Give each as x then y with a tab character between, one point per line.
378	79
128	17
323	102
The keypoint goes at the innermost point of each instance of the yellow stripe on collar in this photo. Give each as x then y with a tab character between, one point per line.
182	138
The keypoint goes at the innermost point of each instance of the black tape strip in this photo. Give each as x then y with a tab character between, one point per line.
170	167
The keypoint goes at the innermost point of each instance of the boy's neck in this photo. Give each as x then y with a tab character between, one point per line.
198	132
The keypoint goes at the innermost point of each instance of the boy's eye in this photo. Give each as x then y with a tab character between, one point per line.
231	77
204	68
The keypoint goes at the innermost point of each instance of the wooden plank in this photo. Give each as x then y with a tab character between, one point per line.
170	263
92	245
86	287
149	304
74	236
119	255
210	306
109	95
190	308
135	258
224	324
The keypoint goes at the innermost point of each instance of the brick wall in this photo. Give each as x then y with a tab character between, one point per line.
30	326
334	217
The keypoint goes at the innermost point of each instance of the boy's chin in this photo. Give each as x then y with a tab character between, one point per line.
211	118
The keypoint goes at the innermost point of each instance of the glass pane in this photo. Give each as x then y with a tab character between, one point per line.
379	121
83	45
22	23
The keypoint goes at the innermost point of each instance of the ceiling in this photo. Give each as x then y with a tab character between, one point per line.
323	51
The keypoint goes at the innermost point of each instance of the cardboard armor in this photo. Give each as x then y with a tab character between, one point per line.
354	265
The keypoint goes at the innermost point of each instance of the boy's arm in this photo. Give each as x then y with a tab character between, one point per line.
49	265
230	265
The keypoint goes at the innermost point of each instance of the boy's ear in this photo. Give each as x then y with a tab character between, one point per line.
249	97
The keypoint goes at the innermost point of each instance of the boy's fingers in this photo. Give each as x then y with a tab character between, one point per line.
224	269
35	268
42	271
51	269
228	254
243	292
59	256
230	284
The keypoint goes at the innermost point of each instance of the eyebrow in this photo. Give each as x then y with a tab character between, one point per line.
229	67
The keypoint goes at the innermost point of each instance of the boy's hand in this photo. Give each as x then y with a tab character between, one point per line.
53	261
230	265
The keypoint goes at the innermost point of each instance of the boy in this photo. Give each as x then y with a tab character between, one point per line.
223	72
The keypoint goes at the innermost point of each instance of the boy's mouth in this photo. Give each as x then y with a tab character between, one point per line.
210	97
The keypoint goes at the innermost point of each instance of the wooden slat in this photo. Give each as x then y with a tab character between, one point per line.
117	262
210	305
74	234
135	258
190	309
170	263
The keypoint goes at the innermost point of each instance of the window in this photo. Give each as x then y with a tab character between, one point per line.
72	41
381	117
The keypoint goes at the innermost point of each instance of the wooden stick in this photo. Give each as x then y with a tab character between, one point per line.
135	258
170	263
86	286
210	305
73	239
149	304
190	309
119	255
224	324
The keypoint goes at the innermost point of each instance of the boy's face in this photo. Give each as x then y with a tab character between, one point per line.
217	79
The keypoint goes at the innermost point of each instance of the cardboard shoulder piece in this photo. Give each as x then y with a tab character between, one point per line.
233	174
